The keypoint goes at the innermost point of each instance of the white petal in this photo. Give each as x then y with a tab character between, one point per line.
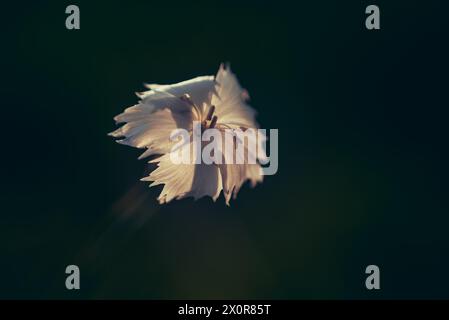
200	89
148	153
233	175
229	102
185	180
159	100
149	124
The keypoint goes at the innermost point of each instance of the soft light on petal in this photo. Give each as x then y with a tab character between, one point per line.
231	108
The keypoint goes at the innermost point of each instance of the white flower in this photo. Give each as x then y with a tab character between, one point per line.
216	102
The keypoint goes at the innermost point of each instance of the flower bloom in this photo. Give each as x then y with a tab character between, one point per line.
215	103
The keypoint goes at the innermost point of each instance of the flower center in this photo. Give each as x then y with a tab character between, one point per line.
210	120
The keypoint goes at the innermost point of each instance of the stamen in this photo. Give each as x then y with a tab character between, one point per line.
213	122
210	113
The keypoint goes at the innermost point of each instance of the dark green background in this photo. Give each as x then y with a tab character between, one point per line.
362	118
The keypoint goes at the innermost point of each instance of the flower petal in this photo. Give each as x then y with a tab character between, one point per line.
231	108
236	169
200	89
150	123
185	180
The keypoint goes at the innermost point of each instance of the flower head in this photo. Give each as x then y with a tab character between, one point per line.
213	102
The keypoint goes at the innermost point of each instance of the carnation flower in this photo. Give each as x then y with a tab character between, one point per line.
215	103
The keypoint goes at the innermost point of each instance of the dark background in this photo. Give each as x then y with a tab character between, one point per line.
362	118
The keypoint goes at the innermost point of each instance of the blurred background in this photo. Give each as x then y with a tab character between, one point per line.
363	178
